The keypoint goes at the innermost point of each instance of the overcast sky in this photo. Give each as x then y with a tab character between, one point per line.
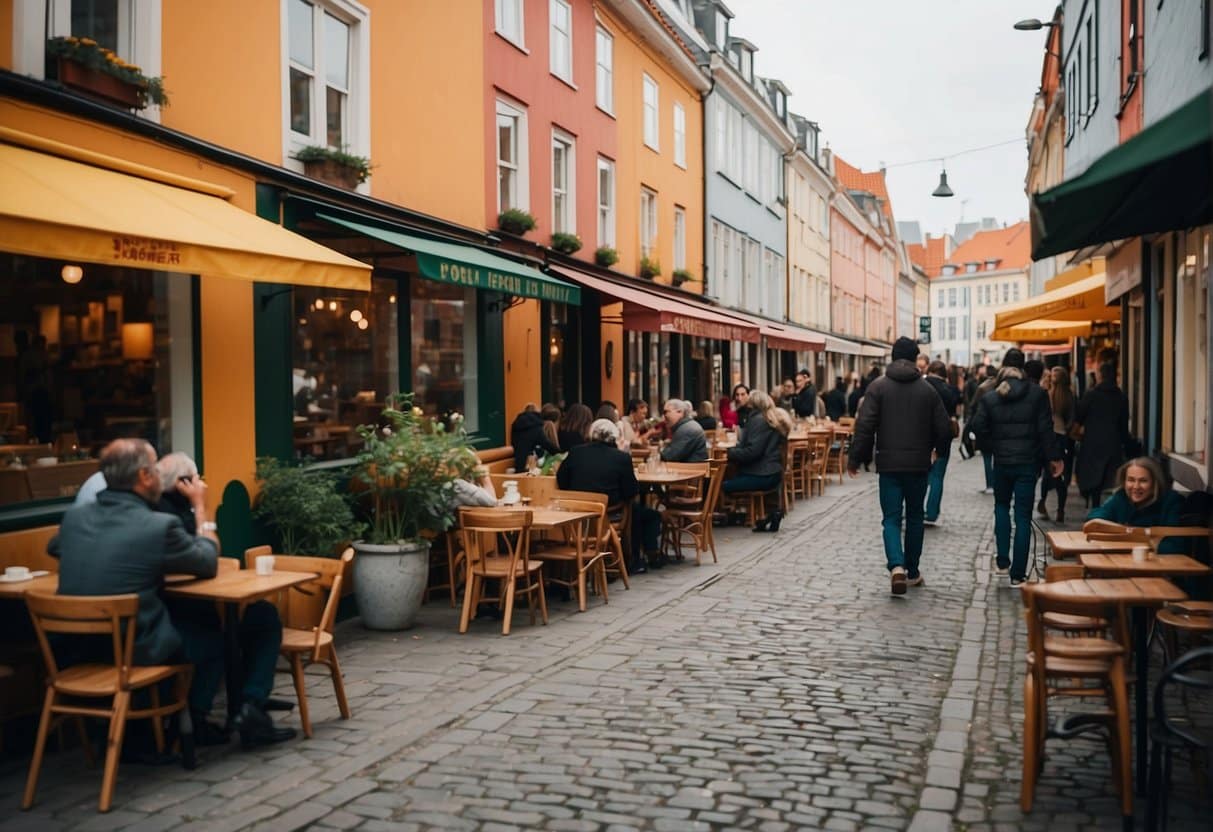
899	80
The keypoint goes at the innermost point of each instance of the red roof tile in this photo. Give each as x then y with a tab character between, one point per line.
930	256
854	179
1010	246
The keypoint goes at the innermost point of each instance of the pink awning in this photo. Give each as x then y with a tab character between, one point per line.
645	311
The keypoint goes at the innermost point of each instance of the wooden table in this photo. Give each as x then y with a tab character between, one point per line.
546	518
1072	544
1112	565
667	477
1140	595
233	587
16	590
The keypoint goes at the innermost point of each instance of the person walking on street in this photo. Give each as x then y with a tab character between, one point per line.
1061	402
936	376
1014	425
904	421
1103	413
987	459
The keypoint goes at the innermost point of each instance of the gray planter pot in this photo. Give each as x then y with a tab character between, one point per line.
389	583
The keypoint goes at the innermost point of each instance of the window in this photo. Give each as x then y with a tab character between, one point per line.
721	138
1206	28
1006	292
561	40
106	357
747	64
970	268
509	20
939	300
751	276
444	349
650	112
722	29
948	270
680	135
511	158
991	265
1092	98
750	155
99	20
680	237
564	215
1191	282
648	222
736	131
321	73
952	297
606	202
1015	291
981	329
952	328
604	72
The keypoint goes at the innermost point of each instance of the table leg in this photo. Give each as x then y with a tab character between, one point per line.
1142	650
233	669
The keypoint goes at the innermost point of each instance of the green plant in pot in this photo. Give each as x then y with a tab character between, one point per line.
681	276
606	257
515	221
650	268
337	167
405	478
566	243
305	507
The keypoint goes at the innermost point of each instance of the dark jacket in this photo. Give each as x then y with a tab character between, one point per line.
1104	414
903	419
836	403
759	451
970	397
804	403
597	466
526	435
706	422
570	439
947	394
1014	422
119	545
1165	511
687	443
853	401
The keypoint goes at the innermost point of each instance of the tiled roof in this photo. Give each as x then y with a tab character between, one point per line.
665	24
930	256
854	179
1010	246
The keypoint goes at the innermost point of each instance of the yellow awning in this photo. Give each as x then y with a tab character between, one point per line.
1079	301
65	210
1043	331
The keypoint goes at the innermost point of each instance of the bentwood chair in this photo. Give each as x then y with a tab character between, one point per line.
509	562
819	448
1069	623
109	617
308	638
1170	732
585	547
694	522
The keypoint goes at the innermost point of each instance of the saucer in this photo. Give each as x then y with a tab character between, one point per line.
7	579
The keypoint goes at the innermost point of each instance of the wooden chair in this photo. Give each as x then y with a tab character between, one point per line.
819	447
100	615
1068	623
690	493
836	461
846	421
797	469
511	530
619	519
694	522
1058	667
304	646
595	548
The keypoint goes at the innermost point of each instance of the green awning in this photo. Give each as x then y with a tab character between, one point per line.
1159	180
466	265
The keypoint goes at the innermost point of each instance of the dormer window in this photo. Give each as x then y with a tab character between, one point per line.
970	268
991	265
722	29
747	64
781	104
949	270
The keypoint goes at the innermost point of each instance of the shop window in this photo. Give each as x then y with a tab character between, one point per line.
444	350
344	366
88	354
1192	341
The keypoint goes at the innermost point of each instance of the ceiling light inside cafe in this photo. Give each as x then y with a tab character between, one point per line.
319	303
355	315
71	274
332	306
363	324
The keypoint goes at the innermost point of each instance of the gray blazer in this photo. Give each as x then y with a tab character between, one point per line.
119	544
687	443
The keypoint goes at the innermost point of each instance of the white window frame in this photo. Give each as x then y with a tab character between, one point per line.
680	135
554	44
500	20
648	222
604	70
721	117
651	112
680	237
722	30
522	197
750	143
606	204
358	98
565	222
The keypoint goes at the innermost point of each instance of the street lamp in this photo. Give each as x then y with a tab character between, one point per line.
943	190
1033	25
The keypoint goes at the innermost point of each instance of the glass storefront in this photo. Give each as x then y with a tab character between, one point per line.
88	353
444	361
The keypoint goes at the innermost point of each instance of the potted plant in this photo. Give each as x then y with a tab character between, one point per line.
337	167
305	507
680	276
566	243
649	269
406	472
85	65
515	221
606	257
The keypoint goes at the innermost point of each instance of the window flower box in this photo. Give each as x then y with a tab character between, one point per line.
335	167
83	65
97	84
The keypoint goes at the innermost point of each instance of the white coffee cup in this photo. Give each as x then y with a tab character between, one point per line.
1141	554
264	564
16	573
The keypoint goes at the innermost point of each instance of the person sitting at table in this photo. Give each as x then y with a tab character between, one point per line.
741	405
528	437
758	455
574	426
705	417
601	467
687	440
1143	499
636	430
477	491
728	416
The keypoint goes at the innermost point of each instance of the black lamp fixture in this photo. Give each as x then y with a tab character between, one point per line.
1033	25
943	190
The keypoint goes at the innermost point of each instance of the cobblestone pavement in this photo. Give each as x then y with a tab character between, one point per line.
783	688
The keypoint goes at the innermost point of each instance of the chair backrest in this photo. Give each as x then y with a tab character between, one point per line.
711	495
539	489
91	615
304	606
1191	670
510	531
846	421
585	501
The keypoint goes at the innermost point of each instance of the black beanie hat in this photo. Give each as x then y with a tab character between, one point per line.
905	348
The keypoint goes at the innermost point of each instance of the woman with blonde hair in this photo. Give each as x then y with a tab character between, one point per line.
758	455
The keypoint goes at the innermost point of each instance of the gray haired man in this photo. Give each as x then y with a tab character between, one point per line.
687	440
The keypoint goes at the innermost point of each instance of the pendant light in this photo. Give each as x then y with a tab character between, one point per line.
943	190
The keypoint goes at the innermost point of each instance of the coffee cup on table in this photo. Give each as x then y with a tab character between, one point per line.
264	564
1141	554
16	573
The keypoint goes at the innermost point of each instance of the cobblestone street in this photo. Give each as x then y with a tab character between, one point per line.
783	688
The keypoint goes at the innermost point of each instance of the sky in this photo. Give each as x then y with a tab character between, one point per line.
901	80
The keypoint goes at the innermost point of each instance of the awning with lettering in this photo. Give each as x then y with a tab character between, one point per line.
783	336
1042	331
56	208
466	265
645	311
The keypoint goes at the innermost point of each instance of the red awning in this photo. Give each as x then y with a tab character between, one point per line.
645	311
782	336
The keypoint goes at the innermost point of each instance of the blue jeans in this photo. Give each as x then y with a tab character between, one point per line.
988	461
1018	481
935	487
902	494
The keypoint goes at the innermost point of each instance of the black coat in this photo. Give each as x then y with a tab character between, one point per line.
853	401
1015	423
570	439
759	451
1103	413
527	436
902	419
597	466
804	403
120	544
947	394
836	403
